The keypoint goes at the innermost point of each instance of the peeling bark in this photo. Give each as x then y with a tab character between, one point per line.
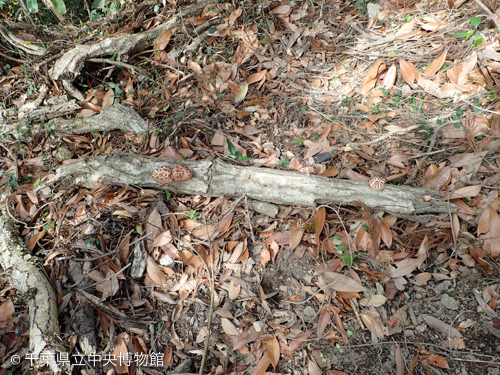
218	178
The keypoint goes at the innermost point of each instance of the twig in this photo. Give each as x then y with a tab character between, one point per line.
384	136
248	218
210	271
121	63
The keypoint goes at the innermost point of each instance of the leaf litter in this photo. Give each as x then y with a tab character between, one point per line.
339	290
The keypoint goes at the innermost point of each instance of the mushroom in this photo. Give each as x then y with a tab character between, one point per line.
377	183
309	169
181	172
162	175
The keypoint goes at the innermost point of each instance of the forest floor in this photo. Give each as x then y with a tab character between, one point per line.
405	91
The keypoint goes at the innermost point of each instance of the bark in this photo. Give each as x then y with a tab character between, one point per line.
218	178
28	278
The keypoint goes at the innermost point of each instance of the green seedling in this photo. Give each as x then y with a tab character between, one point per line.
478	37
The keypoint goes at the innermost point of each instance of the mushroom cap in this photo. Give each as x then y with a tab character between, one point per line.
377	183
309	169
181	172
162	175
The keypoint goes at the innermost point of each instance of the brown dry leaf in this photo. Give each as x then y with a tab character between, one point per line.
373	72
437	361
429	86
153	227
407	71
372	324
108	99
242	92
320	222
235	15
341	283
313	368
367	87
273	349
436	65
422	278
438	179
390	78
385	233
163	40
440	326
299	12
432	26
363	240
330	172
457	343
6	310
246	337
355	176
190	259
468	68
323	320
406	266
256	77
262	365
300	339
121	351
162	238
335	372
234	290
281	9
375	300
489	223
109	286
155	273
400	364
195	67
468	191
229	328
265	257
295	237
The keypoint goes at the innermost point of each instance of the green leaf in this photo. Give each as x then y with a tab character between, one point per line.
459	35
342	248
32	5
59	4
478	39
469	34
138	229
36	183
230	147
266	41
458	125
475	21
244	158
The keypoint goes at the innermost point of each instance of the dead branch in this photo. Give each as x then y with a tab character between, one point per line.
219	178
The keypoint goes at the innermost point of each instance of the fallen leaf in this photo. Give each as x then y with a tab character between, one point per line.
341	283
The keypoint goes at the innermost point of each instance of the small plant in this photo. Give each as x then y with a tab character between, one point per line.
193	215
168	194
478	37
233	154
285	163
12	180
92	240
298	142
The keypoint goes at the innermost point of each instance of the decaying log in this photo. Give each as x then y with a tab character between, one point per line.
219	178
27	277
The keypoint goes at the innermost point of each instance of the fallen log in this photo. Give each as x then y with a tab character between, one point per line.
219	178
